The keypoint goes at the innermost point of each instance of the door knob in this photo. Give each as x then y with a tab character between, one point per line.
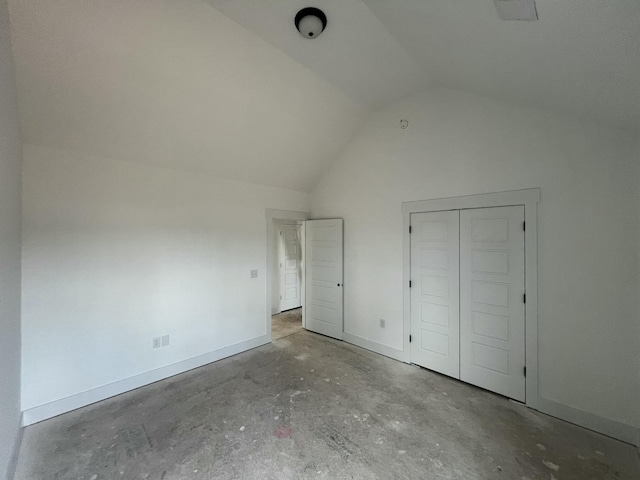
338	284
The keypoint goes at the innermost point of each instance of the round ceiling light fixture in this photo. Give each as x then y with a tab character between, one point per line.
310	22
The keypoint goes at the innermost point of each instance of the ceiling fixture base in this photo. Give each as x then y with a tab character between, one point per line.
310	22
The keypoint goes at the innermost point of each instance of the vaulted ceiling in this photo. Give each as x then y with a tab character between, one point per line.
229	87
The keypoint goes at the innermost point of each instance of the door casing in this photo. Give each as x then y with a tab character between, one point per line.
529	198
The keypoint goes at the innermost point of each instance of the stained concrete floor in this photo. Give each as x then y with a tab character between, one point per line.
286	323
308	407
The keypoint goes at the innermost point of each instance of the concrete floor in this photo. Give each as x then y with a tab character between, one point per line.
308	407
286	323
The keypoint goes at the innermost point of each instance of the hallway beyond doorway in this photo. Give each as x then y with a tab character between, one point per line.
286	323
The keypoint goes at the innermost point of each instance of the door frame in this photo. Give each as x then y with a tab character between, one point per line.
529	198
273	215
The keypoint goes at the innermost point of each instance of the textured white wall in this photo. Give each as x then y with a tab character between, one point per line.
10	185
460	144
116	253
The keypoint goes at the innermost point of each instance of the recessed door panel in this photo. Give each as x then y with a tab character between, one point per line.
434	292
323	277
492	344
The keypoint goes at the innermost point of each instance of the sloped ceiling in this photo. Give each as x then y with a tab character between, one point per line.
357	53
581	57
229	88
176	84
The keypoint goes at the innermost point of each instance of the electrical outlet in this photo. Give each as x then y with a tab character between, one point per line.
382	323
254	273
165	340
156	342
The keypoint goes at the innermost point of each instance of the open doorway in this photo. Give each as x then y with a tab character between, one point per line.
288	317
321	272
286	279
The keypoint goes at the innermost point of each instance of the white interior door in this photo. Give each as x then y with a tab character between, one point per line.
492	323
435	291
323	277
289	262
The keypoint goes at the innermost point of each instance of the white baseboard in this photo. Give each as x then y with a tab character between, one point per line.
15	451
275	311
606	426
375	347
82	399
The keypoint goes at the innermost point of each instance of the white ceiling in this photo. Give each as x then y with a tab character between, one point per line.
174	84
229	88
356	52
580	57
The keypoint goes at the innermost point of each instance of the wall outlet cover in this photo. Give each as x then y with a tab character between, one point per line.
165	340
254	273
156	342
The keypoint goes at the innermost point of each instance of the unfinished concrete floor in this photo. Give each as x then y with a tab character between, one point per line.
307	407
286	323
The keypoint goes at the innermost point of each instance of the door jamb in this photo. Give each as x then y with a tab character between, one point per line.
271	215
529	198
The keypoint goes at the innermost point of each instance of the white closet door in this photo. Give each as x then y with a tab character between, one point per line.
435	291
492	343
323	277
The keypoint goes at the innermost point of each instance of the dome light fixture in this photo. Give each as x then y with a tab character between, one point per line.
310	22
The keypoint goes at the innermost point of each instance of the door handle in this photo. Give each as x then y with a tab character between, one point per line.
338	284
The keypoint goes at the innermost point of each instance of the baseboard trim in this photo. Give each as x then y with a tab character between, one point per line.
375	347
13	459
82	399
606	426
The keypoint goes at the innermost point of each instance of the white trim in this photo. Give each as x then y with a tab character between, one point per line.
499	199
82	399
373	346
271	215
15	451
529	198
603	425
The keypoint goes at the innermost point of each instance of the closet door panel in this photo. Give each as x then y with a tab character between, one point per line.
435	291
492	322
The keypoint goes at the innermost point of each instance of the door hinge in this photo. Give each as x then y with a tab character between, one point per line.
409	283
524	226
409	229
410	338
280	297
524	369
524	298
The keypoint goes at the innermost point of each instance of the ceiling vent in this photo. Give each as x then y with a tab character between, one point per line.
516	9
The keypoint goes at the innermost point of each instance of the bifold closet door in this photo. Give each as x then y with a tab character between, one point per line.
435	291
492	322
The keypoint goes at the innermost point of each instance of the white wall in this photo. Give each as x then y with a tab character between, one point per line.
459	144
116	253
10	186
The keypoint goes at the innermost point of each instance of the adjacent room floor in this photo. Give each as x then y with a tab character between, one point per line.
307	407
286	323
